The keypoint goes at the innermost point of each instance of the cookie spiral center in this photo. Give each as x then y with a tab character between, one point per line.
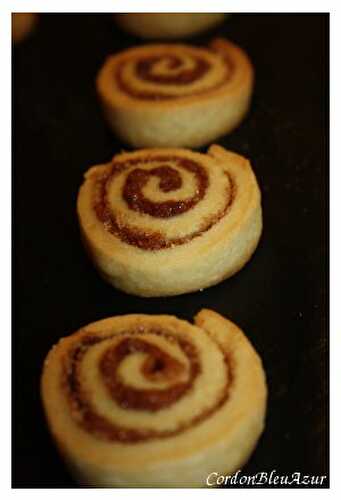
171	69
170	180
159	366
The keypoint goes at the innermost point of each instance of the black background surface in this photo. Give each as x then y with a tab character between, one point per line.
279	299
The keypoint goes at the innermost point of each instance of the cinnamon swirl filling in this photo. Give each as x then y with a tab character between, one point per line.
172	74
158	365
138	172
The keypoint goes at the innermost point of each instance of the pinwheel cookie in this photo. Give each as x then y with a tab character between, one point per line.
175	95
169	221
149	401
166	25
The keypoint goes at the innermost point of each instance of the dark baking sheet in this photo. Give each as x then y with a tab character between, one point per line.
279	299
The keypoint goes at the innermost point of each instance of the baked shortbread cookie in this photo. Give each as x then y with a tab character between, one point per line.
22	25
160	222
175	95
168	25
148	401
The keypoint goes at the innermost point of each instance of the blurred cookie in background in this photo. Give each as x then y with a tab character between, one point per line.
22	25
165	25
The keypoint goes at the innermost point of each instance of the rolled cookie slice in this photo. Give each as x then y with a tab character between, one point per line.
175	95
160	222
147	401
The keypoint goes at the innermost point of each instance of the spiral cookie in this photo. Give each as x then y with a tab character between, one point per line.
22	25
143	400
168	25
169	221
175	95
